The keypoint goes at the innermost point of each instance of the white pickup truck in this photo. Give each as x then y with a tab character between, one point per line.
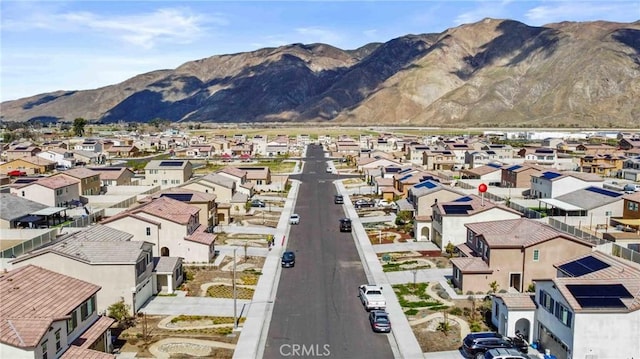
371	297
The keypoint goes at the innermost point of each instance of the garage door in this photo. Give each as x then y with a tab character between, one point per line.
552	343
143	294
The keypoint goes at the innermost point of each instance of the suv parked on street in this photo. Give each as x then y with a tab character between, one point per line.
338	199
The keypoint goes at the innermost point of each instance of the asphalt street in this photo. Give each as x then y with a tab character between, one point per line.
316	311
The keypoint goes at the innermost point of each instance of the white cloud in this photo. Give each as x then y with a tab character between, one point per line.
318	34
583	11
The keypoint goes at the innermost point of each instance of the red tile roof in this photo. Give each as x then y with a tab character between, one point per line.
169	209
471	265
75	352
86	339
200	236
32	298
55	182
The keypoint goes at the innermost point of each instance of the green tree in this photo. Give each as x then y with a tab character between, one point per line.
450	248
78	126
120	312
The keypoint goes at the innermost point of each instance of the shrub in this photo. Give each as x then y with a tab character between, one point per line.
411	312
455	311
475	326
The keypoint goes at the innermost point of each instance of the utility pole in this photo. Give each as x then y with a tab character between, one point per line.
235	296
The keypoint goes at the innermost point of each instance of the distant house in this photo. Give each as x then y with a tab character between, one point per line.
167	173
60	156
45	314
90	145
21	151
602	164
512	253
490	173
518	175
240	177
551	184
422	197
89	180
30	165
439	160
114	176
596	202
205	201
56	191
450	217
100	252
126	151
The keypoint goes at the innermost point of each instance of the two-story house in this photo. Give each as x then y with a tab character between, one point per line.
22	151
512	253
450	217
167	173
205	201
439	160
605	165
518	175
54	191
551	184
490	173
45	314
30	165
228	201
90	145
591	309
89	180
422	197
630	217
172	226
103	256
240	177
62	157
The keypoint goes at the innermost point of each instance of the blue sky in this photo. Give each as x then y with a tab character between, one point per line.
78	45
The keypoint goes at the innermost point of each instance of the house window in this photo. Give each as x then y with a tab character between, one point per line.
632	206
563	314
87	308
546	301
58	343
72	322
536	255
148	231
43	347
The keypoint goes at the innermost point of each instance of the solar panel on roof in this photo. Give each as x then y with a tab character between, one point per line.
404	177
106	168
513	168
457	209
550	175
603	191
405	170
494	165
426	184
599	295
459	145
583	266
25	180
464	199
544	150
182	197
171	163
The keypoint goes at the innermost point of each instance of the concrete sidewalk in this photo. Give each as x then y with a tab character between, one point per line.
169	305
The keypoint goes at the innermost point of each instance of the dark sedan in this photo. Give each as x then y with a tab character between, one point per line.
288	259
380	322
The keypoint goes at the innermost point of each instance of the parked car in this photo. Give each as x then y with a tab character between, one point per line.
504	353
480	342
288	259
386	204
16	173
345	225
329	170
294	219
338	199
257	203
371	297
363	203
380	322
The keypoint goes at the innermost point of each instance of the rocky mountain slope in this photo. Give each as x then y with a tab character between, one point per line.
490	73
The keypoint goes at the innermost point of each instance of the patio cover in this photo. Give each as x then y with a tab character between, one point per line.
49	211
629	222
562	205
29	219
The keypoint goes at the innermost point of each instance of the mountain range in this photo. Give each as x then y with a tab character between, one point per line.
489	73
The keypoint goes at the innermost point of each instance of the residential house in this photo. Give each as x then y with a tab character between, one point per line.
364	163
475	158
422	197
62	157
605	165
30	165
459	151
55	191
90	145
22	151
631	169
89	180
240	177
518	175
205	201
228	201
14	208
346	148
439	160
405	179
490	173
167	173
593	149
630	212
172	226
259	145
512	253
85	157
103	256
542	156
114	176
259	177
449	218
628	143
45	314
551	184
597	203
126	151
591	309
278	147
